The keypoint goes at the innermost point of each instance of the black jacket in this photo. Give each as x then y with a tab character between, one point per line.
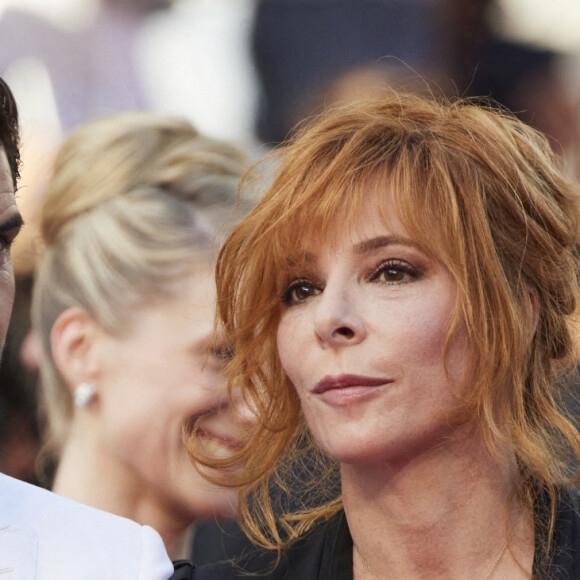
325	553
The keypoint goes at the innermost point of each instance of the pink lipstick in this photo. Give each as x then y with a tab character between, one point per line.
344	389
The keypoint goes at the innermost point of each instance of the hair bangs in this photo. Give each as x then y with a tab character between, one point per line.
323	200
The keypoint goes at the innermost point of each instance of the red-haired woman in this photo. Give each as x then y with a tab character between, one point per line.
401	307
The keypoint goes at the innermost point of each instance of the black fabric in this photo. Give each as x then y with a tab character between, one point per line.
214	541
326	553
183	570
565	560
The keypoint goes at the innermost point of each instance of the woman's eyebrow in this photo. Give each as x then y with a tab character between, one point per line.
305	258
380	242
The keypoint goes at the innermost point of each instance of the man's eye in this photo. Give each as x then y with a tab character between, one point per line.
8	232
5	247
299	292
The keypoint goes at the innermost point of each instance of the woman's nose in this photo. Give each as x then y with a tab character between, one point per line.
337	320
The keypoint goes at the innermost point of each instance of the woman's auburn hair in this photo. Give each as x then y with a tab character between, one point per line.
475	188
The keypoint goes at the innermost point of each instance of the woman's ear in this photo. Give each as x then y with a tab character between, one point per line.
73	341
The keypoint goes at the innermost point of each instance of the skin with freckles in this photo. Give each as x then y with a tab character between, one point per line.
375	306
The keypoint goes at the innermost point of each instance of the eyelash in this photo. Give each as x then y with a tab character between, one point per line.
8	236
287	296
223	353
409	274
6	242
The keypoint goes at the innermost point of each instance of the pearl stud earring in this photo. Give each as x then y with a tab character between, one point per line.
84	395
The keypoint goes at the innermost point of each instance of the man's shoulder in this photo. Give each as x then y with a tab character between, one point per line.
70	538
24	504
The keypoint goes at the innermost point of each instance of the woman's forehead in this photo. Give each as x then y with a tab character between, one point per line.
366	214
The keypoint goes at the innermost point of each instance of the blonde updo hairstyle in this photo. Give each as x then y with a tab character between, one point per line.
135	202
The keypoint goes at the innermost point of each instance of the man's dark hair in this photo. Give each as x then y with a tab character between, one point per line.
9	130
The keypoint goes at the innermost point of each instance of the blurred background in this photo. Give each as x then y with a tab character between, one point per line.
249	71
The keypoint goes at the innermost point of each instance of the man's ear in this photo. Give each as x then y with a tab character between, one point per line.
73	341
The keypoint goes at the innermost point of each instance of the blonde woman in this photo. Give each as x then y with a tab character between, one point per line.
45	536
123	306
412	339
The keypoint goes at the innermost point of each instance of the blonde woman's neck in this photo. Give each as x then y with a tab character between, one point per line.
87	477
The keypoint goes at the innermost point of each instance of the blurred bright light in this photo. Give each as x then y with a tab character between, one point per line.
71	14
551	24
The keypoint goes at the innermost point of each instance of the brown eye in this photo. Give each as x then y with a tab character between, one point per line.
299	292
392	275
395	272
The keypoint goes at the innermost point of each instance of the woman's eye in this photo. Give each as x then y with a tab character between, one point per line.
395	272
299	292
223	352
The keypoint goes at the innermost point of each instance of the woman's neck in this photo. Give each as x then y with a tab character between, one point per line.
441	514
89	477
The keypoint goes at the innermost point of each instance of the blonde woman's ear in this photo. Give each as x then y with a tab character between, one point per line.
73	342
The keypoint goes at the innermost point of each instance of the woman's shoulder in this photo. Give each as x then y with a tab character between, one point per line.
312	556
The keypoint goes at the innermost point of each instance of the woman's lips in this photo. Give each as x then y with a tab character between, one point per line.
344	389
